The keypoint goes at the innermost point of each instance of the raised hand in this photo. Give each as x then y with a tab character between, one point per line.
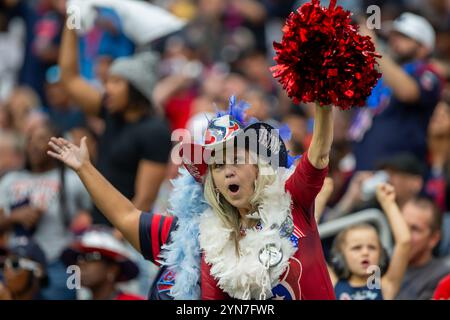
68	153
385	194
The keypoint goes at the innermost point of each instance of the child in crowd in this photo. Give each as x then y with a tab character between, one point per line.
357	249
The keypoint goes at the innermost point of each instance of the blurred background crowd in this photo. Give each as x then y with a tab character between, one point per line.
105	86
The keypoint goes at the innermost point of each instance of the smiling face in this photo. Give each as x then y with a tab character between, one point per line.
361	249
235	178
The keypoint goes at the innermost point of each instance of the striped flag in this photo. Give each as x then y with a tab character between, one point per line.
296	235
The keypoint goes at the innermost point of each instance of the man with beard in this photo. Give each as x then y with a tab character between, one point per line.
403	101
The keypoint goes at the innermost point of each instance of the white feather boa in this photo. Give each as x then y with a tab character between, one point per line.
243	276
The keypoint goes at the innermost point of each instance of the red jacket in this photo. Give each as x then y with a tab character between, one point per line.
307	277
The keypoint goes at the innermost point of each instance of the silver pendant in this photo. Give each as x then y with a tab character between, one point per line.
270	255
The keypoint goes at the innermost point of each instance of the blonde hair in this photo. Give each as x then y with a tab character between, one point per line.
229	214
338	255
342	236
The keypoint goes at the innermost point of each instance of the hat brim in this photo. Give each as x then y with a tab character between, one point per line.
195	156
128	269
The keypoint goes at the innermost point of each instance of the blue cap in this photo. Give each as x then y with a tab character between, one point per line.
24	247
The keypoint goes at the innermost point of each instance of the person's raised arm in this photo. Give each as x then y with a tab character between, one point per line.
391	281
319	150
78	89
404	87
307	180
116	208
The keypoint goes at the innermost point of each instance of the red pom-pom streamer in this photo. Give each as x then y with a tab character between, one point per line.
323	59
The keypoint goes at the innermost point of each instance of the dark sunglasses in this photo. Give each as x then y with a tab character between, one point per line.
90	257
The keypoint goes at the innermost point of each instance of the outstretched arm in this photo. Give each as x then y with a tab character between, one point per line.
116	208
391	281
319	150
307	180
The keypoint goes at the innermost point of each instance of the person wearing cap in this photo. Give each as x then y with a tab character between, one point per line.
405	173
242	220
24	271
135	144
104	261
404	99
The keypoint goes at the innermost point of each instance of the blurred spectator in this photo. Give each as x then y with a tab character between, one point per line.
41	202
24	271
11	152
59	107
402	103
234	84
256	69
46	39
101	45
12	34
358	247
403	171
104	261
222	30
259	106
135	146
20	103
47	36
177	90
438	178
342	159
297	121
424	271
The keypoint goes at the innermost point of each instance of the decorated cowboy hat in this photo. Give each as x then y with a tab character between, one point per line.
102	243
231	128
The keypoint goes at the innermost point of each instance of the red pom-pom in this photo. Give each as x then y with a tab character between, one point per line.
323	59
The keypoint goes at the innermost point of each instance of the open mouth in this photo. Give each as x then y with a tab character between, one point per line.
234	188
365	263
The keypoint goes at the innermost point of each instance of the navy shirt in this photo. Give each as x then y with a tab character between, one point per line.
389	126
344	291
